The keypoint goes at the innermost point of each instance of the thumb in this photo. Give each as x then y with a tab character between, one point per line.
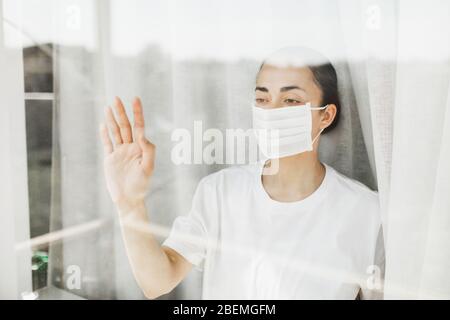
148	154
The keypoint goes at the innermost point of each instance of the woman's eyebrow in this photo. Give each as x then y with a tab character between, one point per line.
283	89
261	89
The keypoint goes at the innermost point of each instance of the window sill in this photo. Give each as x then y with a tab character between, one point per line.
53	293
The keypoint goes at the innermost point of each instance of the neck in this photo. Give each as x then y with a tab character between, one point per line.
297	177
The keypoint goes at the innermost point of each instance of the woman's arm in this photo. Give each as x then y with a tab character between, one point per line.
128	165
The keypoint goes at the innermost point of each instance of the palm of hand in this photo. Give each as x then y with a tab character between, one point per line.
125	176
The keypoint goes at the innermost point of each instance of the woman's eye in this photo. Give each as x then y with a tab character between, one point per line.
259	100
292	101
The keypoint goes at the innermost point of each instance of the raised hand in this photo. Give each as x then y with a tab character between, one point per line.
129	156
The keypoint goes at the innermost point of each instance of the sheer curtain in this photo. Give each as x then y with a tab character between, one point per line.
403	98
197	60
418	212
15	275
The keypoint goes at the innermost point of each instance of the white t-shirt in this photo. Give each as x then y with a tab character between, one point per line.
250	246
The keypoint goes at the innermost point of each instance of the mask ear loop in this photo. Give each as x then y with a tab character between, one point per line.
319	108
320	132
314	140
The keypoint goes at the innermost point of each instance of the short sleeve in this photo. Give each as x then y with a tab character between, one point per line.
190	233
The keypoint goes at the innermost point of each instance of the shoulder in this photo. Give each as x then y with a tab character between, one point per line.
353	188
360	207
359	202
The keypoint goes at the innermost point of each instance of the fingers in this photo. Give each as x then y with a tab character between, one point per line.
148	155
113	126
106	140
123	122
148	148
139	125
121	131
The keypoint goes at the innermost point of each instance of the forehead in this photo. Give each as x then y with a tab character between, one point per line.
273	77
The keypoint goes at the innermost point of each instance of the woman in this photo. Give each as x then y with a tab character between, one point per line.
304	231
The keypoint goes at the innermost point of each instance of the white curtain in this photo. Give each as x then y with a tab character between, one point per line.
197	60
15	267
404	89
418	212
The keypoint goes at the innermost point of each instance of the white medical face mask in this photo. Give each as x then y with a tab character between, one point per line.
283	132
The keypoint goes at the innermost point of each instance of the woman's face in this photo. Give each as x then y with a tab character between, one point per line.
278	87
